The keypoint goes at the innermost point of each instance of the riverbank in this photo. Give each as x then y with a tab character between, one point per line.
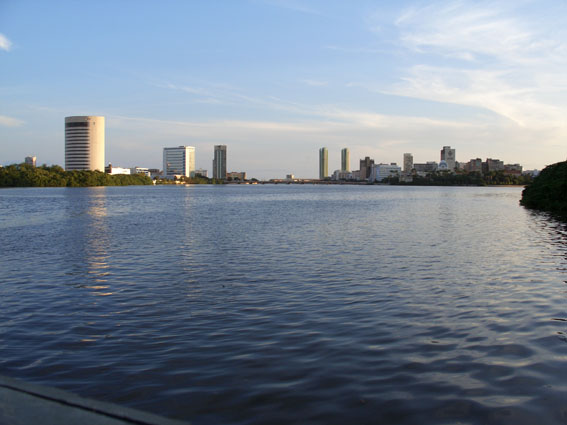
548	191
23	175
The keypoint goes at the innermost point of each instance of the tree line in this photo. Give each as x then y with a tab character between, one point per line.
24	175
444	178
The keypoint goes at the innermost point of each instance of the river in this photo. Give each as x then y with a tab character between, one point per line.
289	304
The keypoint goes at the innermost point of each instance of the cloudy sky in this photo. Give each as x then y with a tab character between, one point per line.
275	80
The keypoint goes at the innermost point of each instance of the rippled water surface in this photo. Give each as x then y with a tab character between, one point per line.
289	304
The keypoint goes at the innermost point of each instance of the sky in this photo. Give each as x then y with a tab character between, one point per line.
276	80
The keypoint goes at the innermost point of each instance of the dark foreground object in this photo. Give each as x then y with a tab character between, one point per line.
548	192
24	403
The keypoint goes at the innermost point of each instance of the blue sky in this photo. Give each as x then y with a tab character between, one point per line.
276	80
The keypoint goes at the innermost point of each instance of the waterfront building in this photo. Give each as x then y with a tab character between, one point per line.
513	169
236	175
155	173
116	170
365	168
201	172
355	175
179	161
141	170
219	162
323	163
408	163
448	155
424	169
341	175
345	159
84	143
492	165
30	160
380	172
473	166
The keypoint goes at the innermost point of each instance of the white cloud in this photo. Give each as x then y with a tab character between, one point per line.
10	122
5	44
488	56
315	83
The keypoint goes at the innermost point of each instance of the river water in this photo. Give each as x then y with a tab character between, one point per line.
289	303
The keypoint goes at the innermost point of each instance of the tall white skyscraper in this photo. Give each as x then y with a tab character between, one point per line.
179	161
219	162
345	159
84	143
448	155
323	163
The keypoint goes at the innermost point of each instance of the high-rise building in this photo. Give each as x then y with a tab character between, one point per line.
365	168
84	143
219	162
30	160
179	161
323	163
448	155
345	159
408	163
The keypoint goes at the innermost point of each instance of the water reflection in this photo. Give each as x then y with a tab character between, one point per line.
89	241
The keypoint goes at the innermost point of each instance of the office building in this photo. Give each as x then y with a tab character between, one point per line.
219	162
30	160
365	168
408	163
201	172
380	172
84	143
345	159
323	163
179	161
492	165
448	155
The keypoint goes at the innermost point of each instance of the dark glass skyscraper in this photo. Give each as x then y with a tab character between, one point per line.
219	162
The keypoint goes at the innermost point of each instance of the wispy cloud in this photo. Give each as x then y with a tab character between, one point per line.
10	122
488	56
5	44
314	83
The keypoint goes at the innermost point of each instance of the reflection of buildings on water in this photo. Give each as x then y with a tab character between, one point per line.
89	239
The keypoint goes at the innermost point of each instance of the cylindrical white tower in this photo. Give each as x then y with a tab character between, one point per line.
84	143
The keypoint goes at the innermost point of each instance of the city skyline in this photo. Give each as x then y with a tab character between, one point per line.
486	77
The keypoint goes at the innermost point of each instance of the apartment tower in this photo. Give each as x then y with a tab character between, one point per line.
345	159
219	162
179	161
84	143
323	163
408	163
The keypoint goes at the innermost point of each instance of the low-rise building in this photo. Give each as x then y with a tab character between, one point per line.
341	175
236	175
424	169
380	172
140	170
110	169
513	169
